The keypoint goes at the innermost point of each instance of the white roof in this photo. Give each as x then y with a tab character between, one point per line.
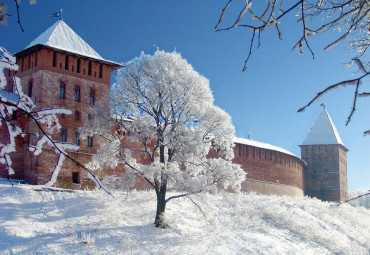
323	131
262	145
61	36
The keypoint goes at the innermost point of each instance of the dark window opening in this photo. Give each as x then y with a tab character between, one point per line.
77	94
30	89
66	64
92	97
14	115
89	141
72	68
89	116
89	71
101	71
78	65
63	115
54	59
77	115
62	90
76	177
63	133
77	137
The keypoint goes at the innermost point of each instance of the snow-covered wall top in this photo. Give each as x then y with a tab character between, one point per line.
262	145
323	131
61	36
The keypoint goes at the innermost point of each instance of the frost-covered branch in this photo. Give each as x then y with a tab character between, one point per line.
4	14
314	16
164	125
353	82
17	109
349	18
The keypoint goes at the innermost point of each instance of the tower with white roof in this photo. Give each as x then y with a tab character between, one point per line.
326	156
59	69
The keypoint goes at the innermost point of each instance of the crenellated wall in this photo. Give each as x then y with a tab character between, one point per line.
270	171
43	72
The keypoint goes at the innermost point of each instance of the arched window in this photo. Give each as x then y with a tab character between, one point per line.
62	90
77	115
30	89
77	137
77	94
78	65
55	59
92	97
63	134
89	141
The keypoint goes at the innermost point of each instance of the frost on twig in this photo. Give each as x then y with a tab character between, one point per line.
353	82
350	16
162	128
16	109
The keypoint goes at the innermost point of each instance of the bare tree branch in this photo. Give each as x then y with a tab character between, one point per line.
19	19
55	145
356	82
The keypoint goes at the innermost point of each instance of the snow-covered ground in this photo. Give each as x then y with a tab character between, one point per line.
91	222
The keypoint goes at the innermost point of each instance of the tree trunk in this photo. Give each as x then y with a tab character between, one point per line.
161	193
161	207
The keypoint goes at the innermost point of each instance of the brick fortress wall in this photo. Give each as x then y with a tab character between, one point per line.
46	70
269	171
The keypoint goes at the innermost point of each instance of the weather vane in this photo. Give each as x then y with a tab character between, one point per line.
57	14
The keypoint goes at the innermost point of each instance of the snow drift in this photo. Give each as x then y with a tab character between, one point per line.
91	222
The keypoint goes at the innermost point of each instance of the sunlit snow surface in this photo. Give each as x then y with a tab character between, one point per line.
61	36
86	222
262	145
323	131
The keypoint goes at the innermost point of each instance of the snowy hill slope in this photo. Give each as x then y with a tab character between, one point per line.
85	222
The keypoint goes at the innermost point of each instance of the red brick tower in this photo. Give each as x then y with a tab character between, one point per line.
59	69
326	158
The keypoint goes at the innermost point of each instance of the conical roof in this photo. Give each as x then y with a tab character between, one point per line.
61	36
323	131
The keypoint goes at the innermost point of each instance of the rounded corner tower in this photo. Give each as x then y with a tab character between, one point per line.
326	174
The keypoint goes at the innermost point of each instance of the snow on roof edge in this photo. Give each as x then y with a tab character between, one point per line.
73	53
323	131
251	142
60	36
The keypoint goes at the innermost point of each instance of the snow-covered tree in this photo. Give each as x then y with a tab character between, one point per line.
350	18
164	128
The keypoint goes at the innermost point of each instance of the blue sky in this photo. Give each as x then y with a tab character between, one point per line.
262	102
